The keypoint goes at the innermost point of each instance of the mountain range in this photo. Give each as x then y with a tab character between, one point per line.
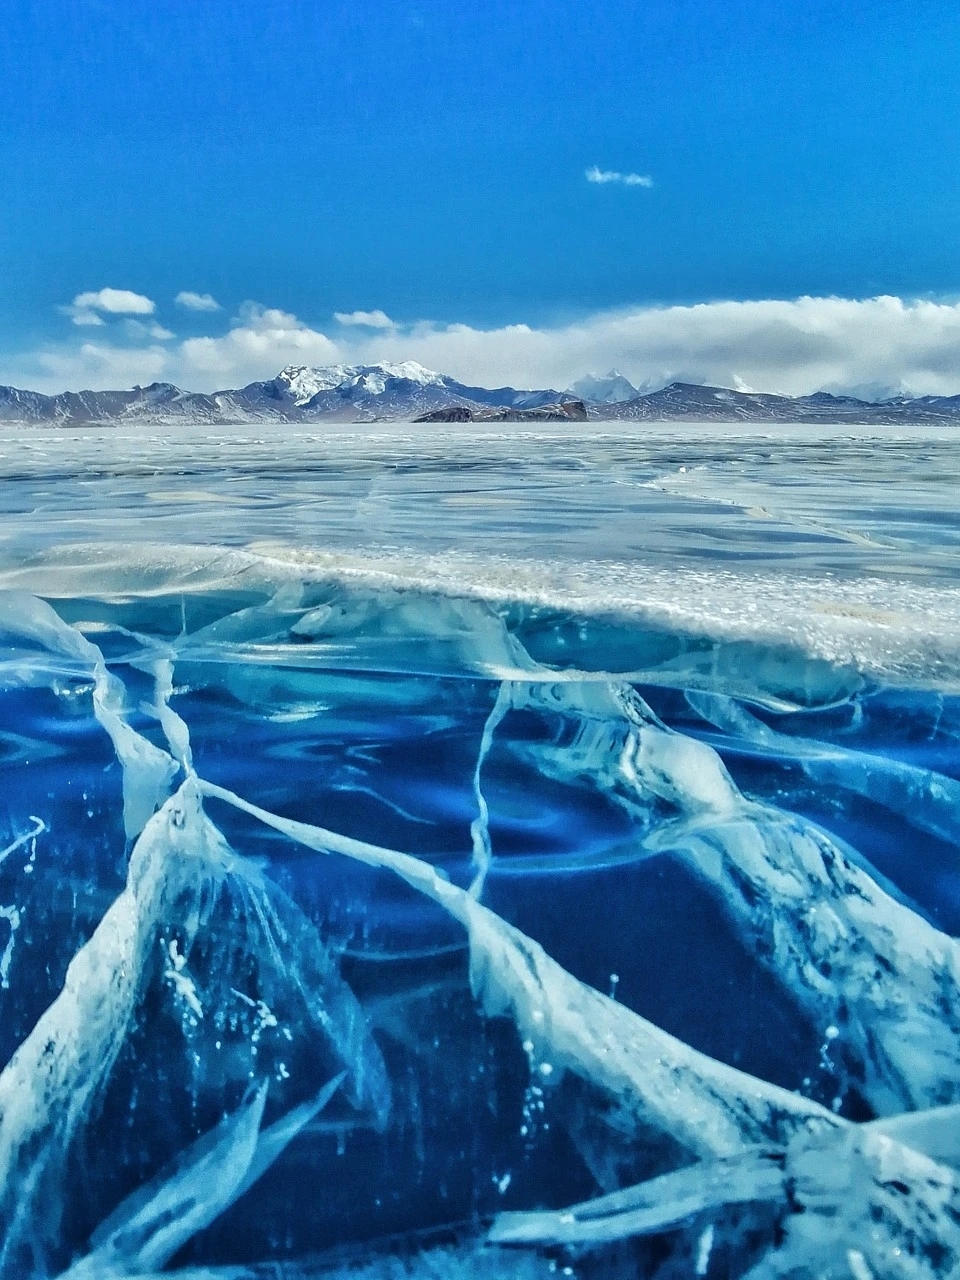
407	391
335	393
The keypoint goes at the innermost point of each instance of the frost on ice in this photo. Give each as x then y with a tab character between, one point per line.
295	1032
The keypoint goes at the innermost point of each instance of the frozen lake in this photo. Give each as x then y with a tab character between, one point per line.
813	499
581	806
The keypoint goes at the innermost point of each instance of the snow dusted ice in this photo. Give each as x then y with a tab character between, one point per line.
442	853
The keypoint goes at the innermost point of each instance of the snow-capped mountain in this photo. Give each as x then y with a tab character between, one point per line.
406	391
611	388
299	393
159	401
351	392
304	383
388	390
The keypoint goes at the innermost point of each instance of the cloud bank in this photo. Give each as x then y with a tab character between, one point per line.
874	346
601	177
261	341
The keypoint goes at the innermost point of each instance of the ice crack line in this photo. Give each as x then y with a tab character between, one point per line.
179	867
480	827
854	957
653	1081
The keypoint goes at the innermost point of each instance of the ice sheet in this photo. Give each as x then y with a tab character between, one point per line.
585	807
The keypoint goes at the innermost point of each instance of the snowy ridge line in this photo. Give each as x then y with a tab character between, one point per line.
399	390
905	631
298	393
653	1080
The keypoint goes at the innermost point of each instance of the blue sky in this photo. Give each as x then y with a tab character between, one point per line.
428	158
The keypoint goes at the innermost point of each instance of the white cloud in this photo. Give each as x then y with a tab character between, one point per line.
96	367
137	329
86	307
196	301
261	341
365	319
603	176
795	346
117	302
84	318
121	302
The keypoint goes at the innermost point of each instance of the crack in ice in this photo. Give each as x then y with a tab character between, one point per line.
892	985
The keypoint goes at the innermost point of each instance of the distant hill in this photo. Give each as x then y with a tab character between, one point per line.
689	402
565	411
407	391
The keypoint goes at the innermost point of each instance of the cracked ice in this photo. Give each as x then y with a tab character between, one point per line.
352	924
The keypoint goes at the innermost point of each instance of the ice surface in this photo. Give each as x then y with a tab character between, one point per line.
479	855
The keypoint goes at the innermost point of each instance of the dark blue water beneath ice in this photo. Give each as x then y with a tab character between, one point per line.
342	614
